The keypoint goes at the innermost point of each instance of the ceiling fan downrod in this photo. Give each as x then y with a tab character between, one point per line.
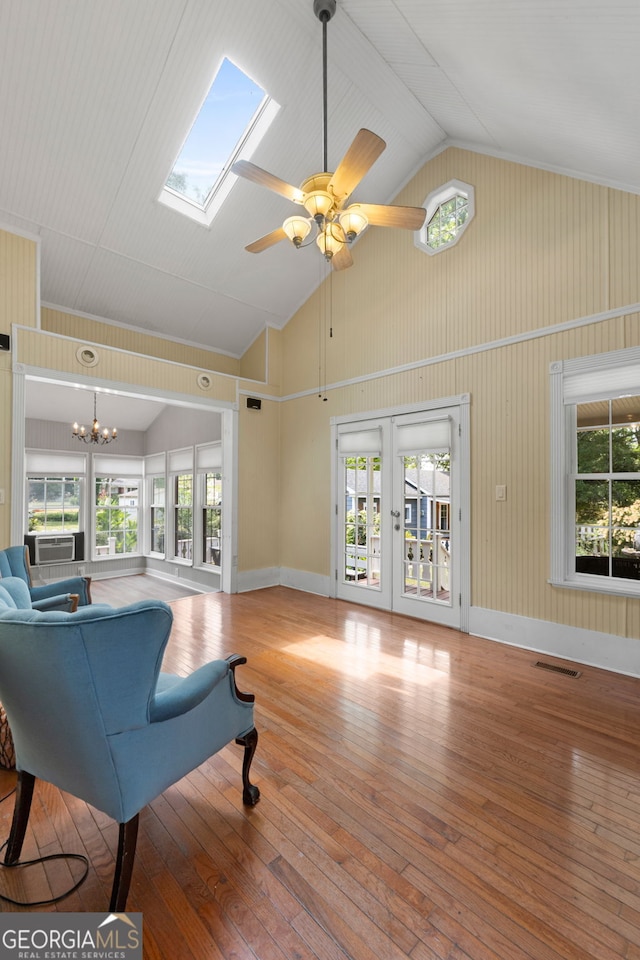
324	10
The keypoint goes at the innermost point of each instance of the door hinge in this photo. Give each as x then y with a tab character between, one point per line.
336	509
459	513
336	574
459	429
459	599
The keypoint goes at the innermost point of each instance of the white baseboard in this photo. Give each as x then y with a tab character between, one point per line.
305	581
589	647
258	579
285	577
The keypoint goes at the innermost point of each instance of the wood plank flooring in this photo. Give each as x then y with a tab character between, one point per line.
425	795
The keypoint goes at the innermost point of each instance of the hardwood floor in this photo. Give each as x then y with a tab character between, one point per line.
119	591
425	795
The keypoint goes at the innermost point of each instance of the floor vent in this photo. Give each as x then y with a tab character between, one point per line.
565	670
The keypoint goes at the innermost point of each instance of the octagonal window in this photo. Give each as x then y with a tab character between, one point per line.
450	210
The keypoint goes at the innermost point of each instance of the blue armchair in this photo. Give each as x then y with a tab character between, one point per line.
15	595
91	713
14	562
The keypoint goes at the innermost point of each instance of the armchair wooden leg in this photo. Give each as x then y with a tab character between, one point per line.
250	793
124	865
21	810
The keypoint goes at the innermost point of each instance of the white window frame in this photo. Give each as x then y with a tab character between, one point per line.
434	200
244	149
150	506
606	376
208	459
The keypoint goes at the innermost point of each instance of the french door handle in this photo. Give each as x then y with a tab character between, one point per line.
395	513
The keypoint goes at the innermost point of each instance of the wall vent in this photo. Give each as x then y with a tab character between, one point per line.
567	671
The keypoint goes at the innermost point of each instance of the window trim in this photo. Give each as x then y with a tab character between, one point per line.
93	506
606	376
244	149
434	200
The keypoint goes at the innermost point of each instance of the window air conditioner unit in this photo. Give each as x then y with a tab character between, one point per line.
55	549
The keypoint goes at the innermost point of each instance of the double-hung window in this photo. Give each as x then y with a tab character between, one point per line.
180	470
116	505
209	492
596	473
54	492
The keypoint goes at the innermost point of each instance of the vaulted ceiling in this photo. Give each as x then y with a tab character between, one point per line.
96	99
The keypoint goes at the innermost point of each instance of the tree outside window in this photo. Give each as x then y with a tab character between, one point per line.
607	488
183	516
53	504
116	516
212	519
158	493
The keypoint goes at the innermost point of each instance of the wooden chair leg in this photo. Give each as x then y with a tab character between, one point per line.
250	793
127	838
21	810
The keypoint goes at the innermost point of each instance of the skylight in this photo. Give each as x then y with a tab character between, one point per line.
232	120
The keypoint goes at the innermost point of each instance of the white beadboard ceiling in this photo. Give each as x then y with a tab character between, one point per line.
96	99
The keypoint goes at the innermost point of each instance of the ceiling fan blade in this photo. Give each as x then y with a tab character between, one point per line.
383	215
248	170
357	161
342	259
267	241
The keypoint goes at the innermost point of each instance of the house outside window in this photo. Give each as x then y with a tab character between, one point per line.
596	473
116	515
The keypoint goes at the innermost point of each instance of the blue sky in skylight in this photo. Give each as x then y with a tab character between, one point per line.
225	115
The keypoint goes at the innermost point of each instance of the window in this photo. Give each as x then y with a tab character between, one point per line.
183	516
596	473
53	504
157	506
234	117
116	516
211	518
450	210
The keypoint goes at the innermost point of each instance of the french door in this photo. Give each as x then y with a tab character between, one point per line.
400	535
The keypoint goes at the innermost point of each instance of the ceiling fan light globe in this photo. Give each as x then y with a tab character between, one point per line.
318	203
353	222
297	229
330	240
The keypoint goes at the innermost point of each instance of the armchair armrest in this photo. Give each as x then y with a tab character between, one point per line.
177	695
79	585
65	601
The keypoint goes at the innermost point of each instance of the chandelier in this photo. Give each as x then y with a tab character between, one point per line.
95	435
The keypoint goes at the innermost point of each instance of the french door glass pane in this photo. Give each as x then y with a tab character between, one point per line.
427	532
361	536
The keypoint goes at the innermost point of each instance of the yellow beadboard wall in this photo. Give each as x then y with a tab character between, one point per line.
543	250
18	281
18	298
93	331
6	387
536	254
40	349
253	363
259	487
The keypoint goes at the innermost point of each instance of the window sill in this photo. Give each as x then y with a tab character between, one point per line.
105	558
593	584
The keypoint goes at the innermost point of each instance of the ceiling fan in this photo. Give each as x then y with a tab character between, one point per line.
324	195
